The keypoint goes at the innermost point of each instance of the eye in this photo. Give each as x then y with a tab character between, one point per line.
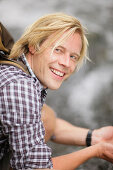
58	50
74	57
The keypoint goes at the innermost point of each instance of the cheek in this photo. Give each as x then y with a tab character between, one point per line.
52	57
48	57
73	67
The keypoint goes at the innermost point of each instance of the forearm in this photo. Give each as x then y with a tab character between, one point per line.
66	133
73	160
63	131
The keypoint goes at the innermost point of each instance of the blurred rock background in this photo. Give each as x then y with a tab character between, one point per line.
86	99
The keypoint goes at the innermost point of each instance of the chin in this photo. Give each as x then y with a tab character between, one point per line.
53	87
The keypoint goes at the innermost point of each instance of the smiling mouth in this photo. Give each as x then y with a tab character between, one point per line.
58	73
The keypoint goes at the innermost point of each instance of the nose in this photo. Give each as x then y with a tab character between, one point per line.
64	60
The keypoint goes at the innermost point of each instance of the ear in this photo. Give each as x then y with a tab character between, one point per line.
32	50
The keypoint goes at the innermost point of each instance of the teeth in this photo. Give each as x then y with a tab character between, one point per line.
57	73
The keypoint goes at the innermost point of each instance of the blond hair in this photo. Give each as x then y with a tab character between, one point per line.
55	24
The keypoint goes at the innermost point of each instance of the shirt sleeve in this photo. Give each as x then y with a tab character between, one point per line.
21	119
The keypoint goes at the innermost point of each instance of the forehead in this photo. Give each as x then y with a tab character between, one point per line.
71	42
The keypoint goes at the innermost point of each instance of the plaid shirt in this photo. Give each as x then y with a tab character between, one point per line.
21	128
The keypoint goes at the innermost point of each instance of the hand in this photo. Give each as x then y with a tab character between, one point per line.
105	151
102	134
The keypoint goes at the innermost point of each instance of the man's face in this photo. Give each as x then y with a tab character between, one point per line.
52	68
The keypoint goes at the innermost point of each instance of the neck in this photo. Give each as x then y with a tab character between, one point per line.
30	59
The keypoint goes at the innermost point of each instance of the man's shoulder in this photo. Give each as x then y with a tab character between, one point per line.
9	74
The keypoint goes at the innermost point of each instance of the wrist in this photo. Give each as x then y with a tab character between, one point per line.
95	137
89	138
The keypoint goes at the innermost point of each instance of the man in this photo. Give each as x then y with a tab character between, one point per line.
51	50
